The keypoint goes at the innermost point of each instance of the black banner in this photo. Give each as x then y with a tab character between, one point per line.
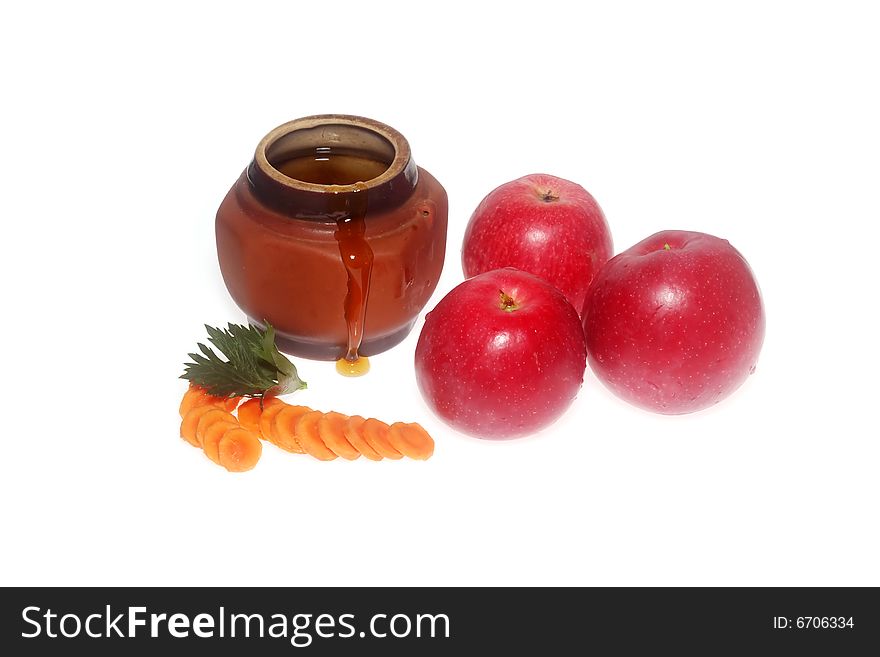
438	621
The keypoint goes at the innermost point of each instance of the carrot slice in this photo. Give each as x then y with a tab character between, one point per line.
207	419
198	396
249	415
271	401
194	396
418	434
375	432
270	410
352	432
239	450
212	436
228	404
284	428
410	439
331	430
190	423
309	439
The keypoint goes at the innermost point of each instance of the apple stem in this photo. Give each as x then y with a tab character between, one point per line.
549	196
667	247
507	302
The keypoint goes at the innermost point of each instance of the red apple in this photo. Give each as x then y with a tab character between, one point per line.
501	356
544	225
674	324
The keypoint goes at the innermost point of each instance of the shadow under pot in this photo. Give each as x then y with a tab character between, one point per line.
334	236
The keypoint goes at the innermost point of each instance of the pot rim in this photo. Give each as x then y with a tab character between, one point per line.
398	165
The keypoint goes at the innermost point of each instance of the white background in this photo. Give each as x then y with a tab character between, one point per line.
124	125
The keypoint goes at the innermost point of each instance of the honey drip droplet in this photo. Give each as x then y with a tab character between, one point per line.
357	367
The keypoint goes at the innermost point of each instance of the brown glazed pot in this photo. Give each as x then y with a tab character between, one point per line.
283	242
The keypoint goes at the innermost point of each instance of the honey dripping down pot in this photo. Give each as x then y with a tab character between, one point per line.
357	258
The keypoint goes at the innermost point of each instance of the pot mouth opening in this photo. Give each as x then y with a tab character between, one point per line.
333	153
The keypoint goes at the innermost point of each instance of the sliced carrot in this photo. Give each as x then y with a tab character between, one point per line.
208	422
411	440
212	436
284	428
239	450
309	439
191	422
198	396
352	432
417	435
228	404
270	410
194	396
331	430
271	401
208	418
375	432
249	414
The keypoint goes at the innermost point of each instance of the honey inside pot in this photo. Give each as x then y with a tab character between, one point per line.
329	166
335	237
